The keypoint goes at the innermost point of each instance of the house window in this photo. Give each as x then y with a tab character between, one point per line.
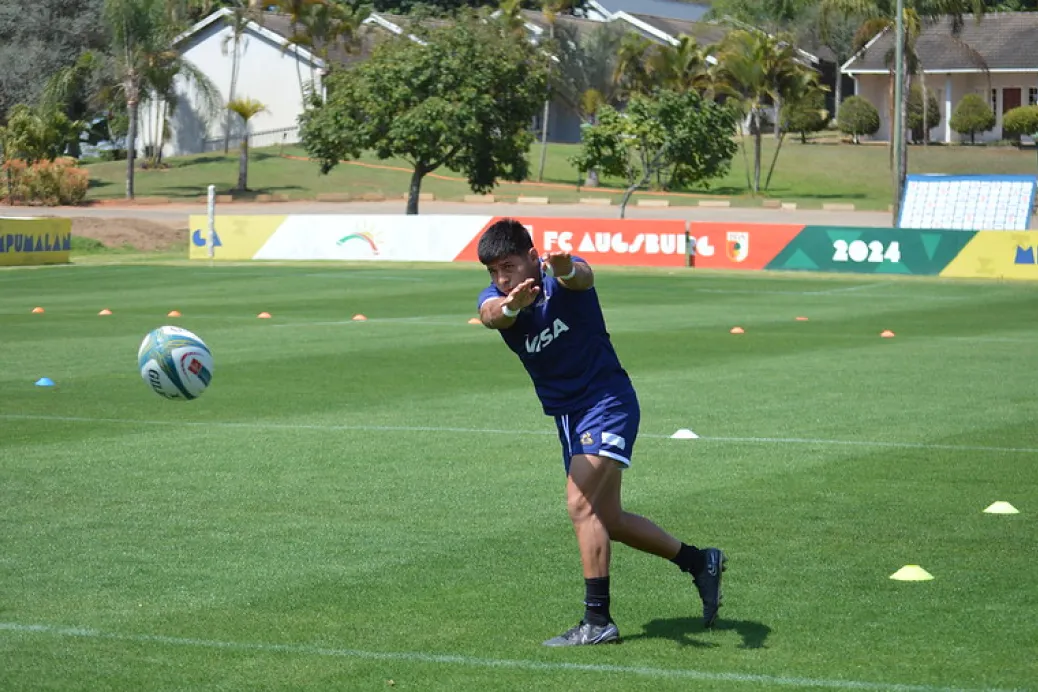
1032	96
994	100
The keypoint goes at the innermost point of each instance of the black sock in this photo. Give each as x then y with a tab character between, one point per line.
689	559
596	601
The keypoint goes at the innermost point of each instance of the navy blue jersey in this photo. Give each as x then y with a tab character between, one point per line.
562	342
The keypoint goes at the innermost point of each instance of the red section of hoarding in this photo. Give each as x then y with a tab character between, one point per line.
627	242
739	245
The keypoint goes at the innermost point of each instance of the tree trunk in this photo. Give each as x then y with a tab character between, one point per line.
902	163
243	161
926	100
415	188
230	97
890	122
131	143
774	159
758	143
837	96
547	112
776	126
627	198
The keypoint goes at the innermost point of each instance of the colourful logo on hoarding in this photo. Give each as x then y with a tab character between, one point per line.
738	245
1024	255
199	240
363	237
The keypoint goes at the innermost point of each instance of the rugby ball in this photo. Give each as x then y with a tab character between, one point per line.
175	363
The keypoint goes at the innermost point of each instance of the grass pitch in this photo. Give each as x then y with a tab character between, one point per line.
353	505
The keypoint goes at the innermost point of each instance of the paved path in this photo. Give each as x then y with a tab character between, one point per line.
177	213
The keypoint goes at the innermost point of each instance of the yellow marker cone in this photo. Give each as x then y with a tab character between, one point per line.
475	320
264	315
911	573
104	312
737	330
360	318
173	313
801	319
37	310
1001	507
887	334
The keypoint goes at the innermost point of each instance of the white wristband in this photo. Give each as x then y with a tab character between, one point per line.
508	313
572	272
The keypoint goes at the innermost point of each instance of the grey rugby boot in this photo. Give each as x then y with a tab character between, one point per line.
586	634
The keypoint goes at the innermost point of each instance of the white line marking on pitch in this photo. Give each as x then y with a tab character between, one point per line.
494	431
471	661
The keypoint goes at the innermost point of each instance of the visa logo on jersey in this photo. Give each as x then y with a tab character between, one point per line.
535	343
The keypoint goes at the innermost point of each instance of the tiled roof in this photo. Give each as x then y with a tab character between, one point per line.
1004	40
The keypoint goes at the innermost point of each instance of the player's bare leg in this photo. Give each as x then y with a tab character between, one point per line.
593	500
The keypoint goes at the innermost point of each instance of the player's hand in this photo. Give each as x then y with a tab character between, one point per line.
523	295
560	262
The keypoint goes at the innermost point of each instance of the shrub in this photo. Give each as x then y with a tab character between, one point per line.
915	112
972	115
858	117
1021	121
48	183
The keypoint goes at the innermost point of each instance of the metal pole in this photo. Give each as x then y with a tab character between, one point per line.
210	212
898	132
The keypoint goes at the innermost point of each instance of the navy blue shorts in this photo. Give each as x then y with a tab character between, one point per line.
607	428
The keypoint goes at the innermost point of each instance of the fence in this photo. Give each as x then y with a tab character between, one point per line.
264	138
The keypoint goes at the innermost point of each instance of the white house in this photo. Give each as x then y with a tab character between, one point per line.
996	57
267	72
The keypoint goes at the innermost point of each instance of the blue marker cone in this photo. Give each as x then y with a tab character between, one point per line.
45	382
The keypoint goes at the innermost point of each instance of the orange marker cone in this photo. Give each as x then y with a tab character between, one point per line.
475	320
360	318
738	330
37	310
173	313
264	315
105	312
887	334
801	319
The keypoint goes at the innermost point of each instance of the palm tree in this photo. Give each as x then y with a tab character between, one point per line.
296	11
140	30
631	74
683	67
551	9
881	15
758	68
246	108
164	72
238	21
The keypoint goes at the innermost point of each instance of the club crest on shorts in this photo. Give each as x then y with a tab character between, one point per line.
586	439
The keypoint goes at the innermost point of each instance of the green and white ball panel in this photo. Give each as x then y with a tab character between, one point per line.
175	363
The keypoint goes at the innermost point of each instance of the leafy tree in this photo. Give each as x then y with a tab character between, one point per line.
463	100
973	115
916	113
680	139
246	109
858	117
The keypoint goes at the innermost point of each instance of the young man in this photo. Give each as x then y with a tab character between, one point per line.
548	313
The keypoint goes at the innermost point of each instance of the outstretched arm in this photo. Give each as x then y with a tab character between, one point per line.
574	275
500	313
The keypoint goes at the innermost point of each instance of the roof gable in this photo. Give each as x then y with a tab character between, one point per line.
1005	41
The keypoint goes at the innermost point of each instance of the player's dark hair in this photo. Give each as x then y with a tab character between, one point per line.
504	238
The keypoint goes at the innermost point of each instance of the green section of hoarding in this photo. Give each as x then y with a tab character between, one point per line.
860	250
